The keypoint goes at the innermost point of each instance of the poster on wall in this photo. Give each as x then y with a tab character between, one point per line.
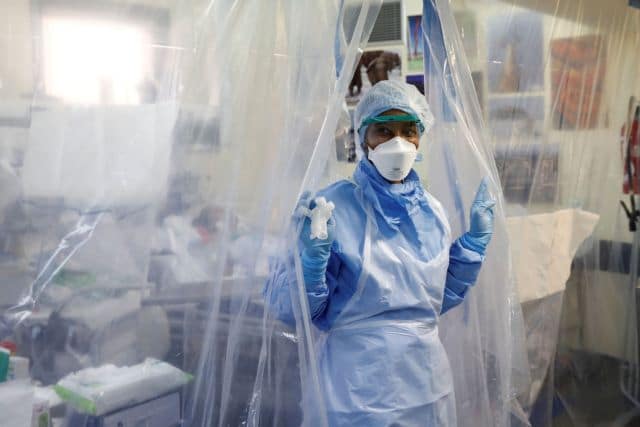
515	53
415	47
578	66
374	66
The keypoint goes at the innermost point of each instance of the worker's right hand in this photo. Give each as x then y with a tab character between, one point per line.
314	253
316	248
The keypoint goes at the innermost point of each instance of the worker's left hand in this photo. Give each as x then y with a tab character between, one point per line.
481	228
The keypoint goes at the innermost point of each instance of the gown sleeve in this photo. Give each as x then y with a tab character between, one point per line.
282	277
464	267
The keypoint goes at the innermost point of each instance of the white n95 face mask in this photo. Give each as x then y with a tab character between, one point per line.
394	158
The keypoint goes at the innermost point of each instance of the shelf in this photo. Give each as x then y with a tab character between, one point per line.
516	94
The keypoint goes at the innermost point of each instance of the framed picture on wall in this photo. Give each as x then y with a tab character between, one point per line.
578	67
374	66
515	53
418	81
528	173
415	46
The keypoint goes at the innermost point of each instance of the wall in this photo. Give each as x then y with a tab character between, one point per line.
590	161
15	44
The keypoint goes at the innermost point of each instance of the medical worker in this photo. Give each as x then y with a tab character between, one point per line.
385	273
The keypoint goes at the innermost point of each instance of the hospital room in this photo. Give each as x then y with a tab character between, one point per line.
319	213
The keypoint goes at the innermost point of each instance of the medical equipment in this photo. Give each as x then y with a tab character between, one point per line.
163	411
97	391
16	403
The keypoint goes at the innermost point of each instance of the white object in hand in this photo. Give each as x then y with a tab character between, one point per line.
319	215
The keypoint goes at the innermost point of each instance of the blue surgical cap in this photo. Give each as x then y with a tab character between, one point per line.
391	95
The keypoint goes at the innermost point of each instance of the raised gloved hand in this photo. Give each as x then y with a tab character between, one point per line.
314	252
481	228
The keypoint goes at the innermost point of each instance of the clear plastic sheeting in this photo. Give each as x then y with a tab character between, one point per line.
152	154
554	82
279	101
484	338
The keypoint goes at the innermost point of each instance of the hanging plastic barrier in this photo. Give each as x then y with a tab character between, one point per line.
557	89
483	338
277	127
154	159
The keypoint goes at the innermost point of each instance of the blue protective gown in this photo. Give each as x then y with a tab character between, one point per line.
392	271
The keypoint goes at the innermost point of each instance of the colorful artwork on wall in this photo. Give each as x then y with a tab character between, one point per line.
415	47
578	66
374	66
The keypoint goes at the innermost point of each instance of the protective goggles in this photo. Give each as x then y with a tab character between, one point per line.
400	118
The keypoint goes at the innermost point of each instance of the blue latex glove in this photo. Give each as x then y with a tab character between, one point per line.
314	252
481	229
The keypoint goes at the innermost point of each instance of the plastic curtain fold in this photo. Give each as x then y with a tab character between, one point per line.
252	368
554	83
484	339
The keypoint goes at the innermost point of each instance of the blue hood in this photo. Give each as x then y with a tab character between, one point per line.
393	202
